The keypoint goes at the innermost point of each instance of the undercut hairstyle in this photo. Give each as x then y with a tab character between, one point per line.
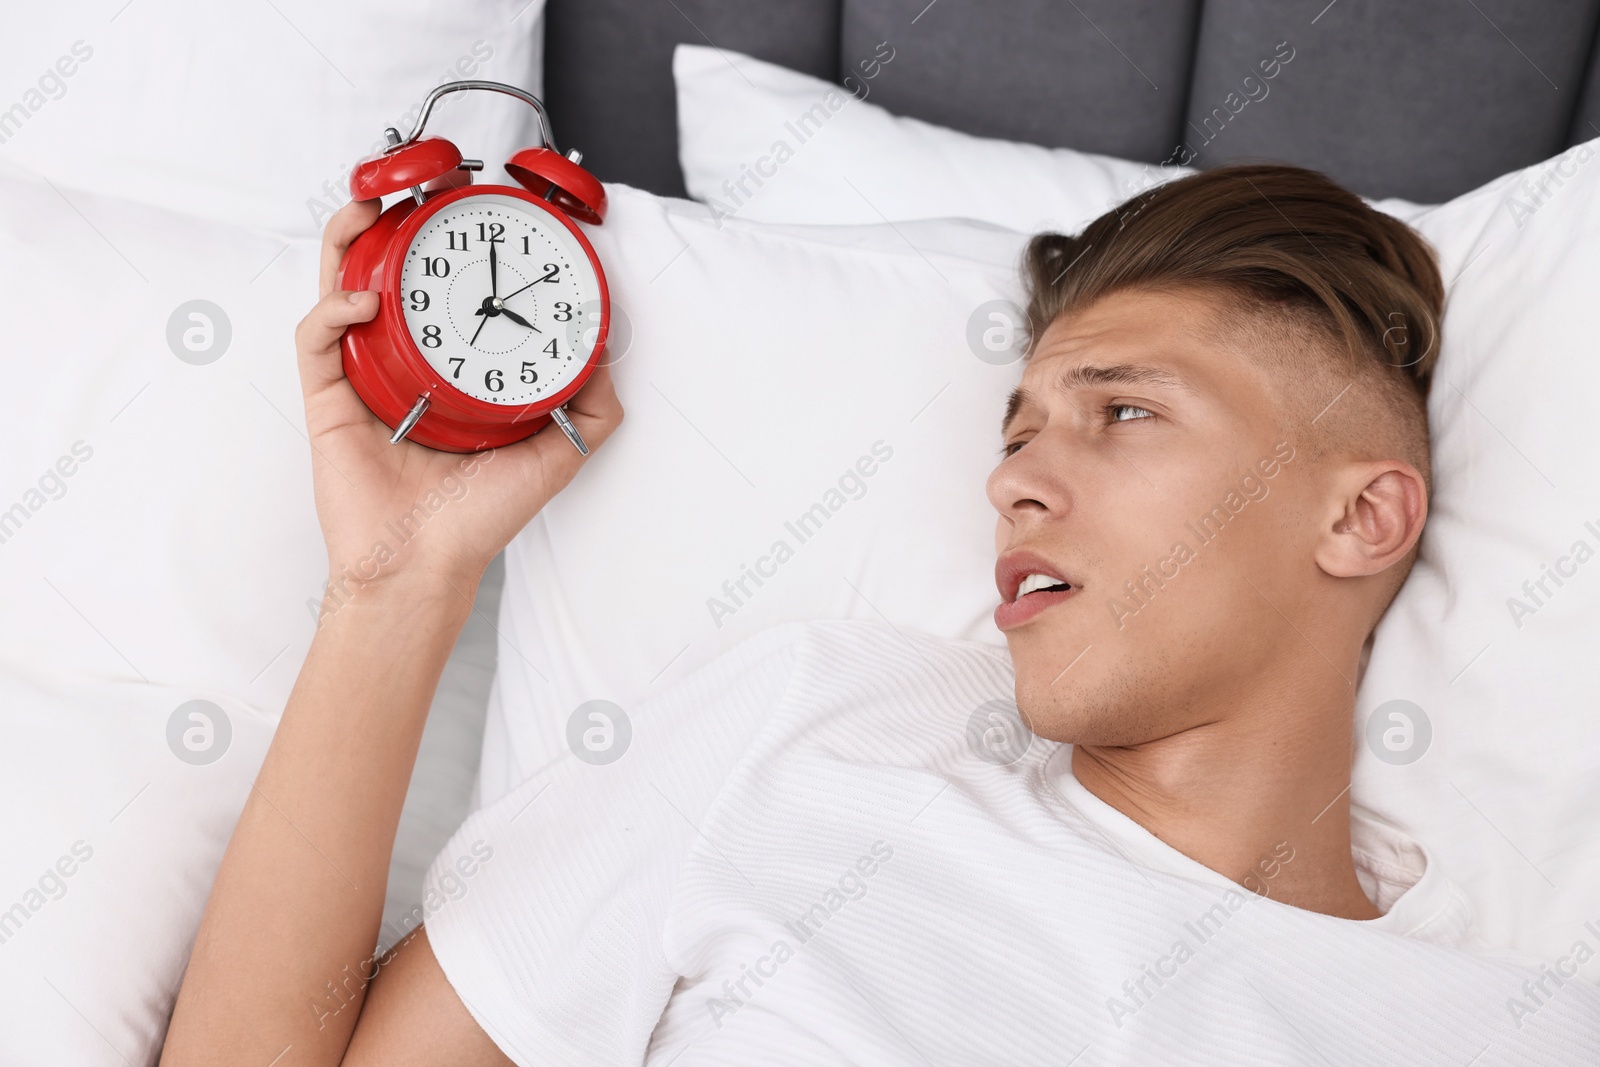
1343	301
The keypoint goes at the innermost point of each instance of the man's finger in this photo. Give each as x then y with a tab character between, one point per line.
348	223
317	338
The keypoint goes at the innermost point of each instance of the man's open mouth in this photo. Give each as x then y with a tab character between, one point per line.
1028	584
1041	583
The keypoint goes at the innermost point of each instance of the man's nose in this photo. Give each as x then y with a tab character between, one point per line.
1027	485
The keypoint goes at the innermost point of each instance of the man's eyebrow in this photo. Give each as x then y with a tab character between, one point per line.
1083	376
1014	402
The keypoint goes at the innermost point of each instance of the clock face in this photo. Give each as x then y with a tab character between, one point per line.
500	299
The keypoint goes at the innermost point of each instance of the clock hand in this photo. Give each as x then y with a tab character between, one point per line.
494	272
548	277
479	330
518	319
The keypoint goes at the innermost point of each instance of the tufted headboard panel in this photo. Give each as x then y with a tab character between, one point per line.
1423	99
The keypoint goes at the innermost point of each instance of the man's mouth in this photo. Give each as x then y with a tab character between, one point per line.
1028	584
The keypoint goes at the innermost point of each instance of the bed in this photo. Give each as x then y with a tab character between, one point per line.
1423	102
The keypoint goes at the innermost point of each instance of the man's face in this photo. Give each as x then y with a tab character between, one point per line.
1149	467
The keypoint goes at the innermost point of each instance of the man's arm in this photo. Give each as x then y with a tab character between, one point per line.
279	968
280	964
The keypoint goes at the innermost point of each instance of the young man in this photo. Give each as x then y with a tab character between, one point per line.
835	844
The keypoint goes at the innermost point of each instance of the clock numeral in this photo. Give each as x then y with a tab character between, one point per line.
552	273
459	363
529	375
563	311
493	382
430	337
550	349
496	232
463	235
419	300
436	267
525	250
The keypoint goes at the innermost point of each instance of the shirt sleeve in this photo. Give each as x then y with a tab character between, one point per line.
546	908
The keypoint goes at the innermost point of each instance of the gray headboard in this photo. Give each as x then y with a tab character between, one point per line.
1422	99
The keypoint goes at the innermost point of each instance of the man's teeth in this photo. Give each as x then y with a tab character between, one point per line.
1034	582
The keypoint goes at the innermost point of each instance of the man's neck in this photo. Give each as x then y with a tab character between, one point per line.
1238	795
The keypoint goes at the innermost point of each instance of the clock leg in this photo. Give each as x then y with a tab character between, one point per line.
411	420
561	420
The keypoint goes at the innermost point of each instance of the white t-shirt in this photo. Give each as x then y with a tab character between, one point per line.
813	851
1394	869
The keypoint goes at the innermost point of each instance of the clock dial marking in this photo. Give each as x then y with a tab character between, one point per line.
453	275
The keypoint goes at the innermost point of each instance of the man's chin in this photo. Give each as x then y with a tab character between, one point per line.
1056	716
1083	710
1081	682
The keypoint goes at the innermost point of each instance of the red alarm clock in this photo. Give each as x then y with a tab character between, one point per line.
492	307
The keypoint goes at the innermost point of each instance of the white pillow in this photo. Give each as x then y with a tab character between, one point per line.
111	841
254	113
765	360
1507	789
759	141
158	545
773	373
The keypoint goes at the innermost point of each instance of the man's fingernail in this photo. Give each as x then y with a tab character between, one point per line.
355	297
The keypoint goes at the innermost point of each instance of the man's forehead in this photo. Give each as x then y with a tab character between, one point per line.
1181	341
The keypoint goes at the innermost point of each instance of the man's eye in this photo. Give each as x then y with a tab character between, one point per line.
1141	413
1010	447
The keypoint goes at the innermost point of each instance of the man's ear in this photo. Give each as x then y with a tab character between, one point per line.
1375	518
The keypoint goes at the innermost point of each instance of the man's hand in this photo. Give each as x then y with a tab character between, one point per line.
370	493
